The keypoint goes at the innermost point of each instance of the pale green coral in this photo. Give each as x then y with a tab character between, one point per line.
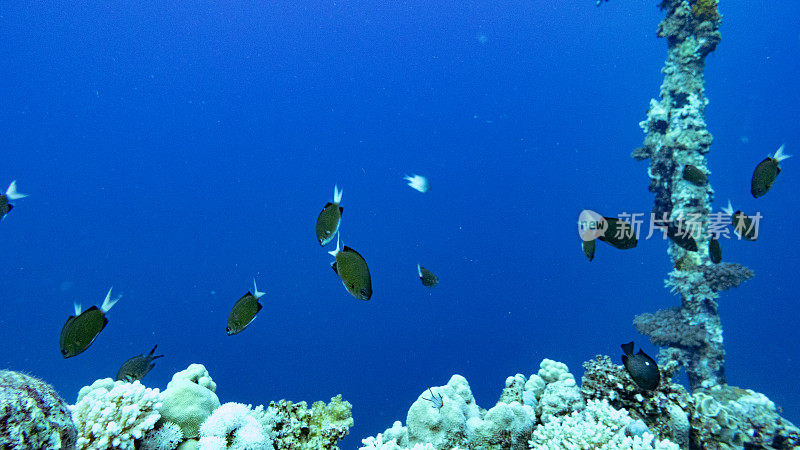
190	399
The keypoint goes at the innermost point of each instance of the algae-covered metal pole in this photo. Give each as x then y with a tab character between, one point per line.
676	143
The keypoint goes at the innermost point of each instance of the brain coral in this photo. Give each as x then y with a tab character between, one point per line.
32	415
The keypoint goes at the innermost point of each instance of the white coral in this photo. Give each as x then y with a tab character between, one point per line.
598	426
238	420
168	437
112	414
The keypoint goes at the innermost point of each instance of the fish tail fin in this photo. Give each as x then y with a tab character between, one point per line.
728	209
335	252
419	270
779	155
337	194
109	302
77	307
11	192
257	293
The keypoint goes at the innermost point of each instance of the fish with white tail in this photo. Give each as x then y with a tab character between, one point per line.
766	172
244	311
329	218
5	199
418	182
353	271
80	330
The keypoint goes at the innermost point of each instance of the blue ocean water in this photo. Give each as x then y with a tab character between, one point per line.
177	151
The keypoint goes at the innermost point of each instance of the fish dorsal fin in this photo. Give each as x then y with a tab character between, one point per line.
341	210
10	206
109	302
77	307
348	249
627	348
258	293
93	308
154	350
328	204
335	268
105	322
258	307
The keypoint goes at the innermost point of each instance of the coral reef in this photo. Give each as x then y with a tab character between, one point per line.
237	427
189	399
32	415
112	414
597	426
549	396
612	413
676	136
297	427
166	437
737	418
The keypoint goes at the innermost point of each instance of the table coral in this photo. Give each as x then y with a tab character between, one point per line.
111	414
32	415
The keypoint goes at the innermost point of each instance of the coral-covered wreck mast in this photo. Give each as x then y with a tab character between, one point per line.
676	137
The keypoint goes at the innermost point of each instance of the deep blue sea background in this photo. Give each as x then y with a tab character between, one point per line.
176	151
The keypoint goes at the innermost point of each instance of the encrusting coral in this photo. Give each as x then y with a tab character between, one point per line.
113	414
32	415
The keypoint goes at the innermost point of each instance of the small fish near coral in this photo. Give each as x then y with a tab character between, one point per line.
618	233
137	367
5	199
353	271
427	277
244	311
329	218
743	225
642	368
765	173
80	330
694	175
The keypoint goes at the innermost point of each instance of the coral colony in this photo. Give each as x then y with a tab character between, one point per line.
545	410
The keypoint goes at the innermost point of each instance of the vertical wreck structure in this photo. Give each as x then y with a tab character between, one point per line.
676	138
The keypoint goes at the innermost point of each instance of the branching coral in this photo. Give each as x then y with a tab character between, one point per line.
598	426
112	414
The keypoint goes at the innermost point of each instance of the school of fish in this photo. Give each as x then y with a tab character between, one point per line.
81	329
